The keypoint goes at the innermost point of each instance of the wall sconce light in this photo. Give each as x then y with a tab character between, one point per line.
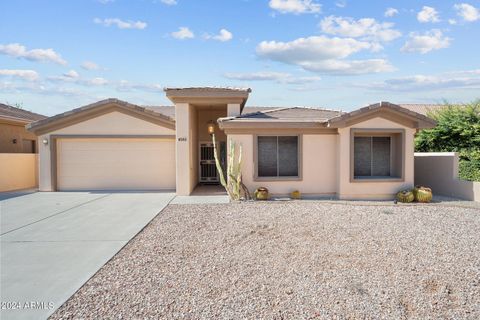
45	141
211	127
14	141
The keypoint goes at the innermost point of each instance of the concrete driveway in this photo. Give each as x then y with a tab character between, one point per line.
52	243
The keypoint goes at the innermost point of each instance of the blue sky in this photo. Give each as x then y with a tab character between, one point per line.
57	55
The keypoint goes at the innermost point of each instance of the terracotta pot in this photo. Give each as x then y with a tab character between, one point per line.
261	193
405	196
296	195
423	194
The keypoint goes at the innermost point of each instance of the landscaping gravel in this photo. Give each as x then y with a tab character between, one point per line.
292	260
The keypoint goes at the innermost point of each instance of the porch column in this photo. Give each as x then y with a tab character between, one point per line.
183	124
233	109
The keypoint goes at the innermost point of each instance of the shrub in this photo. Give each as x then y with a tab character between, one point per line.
457	130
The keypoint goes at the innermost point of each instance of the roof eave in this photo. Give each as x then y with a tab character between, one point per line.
419	121
278	123
63	119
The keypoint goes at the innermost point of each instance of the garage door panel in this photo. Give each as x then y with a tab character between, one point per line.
115	164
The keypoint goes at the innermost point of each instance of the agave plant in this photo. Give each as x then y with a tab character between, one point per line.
234	186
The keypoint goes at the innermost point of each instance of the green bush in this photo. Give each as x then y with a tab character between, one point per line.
457	130
469	166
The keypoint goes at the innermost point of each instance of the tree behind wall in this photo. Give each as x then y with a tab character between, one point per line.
457	130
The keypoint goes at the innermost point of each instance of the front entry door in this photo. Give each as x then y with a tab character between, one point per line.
208	170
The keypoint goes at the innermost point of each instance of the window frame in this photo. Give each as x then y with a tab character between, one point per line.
299	177
376	132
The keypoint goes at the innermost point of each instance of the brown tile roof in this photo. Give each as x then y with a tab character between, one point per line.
423	120
424	109
292	113
59	117
7	111
169	111
328	117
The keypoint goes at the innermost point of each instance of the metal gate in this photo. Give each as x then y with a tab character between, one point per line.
208	170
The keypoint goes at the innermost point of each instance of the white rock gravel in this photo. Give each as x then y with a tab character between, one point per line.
292	260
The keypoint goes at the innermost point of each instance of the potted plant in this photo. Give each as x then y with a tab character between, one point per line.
295	195
405	196
422	194
262	193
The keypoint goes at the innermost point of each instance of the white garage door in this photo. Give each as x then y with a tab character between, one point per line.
115	164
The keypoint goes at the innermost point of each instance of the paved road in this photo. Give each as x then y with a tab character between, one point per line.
53	242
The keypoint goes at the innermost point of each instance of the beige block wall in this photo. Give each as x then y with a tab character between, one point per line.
373	189
109	124
18	171
319	166
439	171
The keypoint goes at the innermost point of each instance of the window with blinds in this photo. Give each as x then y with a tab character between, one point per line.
372	157
277	156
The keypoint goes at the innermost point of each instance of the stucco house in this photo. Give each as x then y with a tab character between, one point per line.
14	138
112	144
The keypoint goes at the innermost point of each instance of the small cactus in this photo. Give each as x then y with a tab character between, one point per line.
405	196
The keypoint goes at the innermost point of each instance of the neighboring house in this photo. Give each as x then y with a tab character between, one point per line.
422	108
14	138
111	144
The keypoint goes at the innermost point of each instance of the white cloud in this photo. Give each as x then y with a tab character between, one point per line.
301	80
453	80
390	12
169	2
467	12
324	55
29	75
97	82
426	42
89	65
125	85
341	3
428	14
257	76
311	48
367	28
183	33
73	77
452	22
223	36
279	77
71	74
349	67
19	51
295	6
121	24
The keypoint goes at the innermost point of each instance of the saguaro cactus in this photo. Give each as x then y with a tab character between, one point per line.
234	186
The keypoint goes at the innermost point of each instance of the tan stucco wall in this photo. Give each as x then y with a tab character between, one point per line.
439	171
114	123
372	189
319	162
11	130
18	171
204	116
193	144
186	144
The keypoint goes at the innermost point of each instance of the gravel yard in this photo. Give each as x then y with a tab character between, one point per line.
299	259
